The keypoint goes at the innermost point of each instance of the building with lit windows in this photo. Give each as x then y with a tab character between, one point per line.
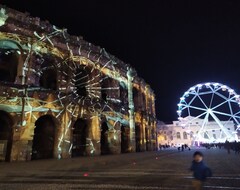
178	133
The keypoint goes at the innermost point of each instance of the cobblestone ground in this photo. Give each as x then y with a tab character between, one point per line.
165	170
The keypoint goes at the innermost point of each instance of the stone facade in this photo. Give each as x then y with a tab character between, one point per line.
62	97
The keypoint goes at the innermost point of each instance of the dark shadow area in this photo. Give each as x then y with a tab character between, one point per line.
48	78
79	138
147	139
125	139
104	139
6	135
8	65
138	138
82	79
44	137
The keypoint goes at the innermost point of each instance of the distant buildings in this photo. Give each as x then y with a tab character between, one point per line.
193	133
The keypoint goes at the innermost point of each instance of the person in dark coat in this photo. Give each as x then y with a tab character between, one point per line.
200	171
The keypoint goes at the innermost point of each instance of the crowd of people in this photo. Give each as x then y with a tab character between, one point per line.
229	146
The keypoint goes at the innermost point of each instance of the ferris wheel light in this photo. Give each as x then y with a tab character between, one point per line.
231	91
186	114
192	88
224	87
182	98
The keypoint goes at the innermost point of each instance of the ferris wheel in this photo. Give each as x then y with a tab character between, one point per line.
212	110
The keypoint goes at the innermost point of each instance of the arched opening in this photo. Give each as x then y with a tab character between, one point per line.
125	139
79	138
9	58
123	93
6	134
104	139
135	96
178	135
48	78
44	138
82	80
184	135
138	138
147	138
107	88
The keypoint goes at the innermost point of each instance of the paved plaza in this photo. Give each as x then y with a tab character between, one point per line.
167	169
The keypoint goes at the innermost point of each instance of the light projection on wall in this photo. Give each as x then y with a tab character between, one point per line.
69	78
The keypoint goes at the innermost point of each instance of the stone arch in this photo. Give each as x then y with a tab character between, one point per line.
10	60
44	137
6	135
82	77
104	139
123	92
79	137
106	85
135	96
125	139
48	78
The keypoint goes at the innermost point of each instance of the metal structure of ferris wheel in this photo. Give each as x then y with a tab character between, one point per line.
211	102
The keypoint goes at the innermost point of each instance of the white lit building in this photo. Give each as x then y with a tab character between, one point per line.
193	131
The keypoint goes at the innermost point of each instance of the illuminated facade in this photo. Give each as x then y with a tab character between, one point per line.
177	133
63	97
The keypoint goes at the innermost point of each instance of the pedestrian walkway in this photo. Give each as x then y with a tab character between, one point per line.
165	170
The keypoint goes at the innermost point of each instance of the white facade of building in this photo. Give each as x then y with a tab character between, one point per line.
193	133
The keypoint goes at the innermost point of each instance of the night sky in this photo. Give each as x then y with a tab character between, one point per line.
172	44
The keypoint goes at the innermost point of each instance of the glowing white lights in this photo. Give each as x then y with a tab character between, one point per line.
211	102
182	98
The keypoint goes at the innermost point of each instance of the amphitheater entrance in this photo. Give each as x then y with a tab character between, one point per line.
79	138
44	138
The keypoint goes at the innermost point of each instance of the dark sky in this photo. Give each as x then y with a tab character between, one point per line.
172	44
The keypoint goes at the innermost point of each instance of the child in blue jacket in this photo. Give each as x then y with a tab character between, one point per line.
200	170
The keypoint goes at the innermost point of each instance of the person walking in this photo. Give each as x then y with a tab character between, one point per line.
200	171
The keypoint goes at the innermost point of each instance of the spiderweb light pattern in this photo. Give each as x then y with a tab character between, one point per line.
82	71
